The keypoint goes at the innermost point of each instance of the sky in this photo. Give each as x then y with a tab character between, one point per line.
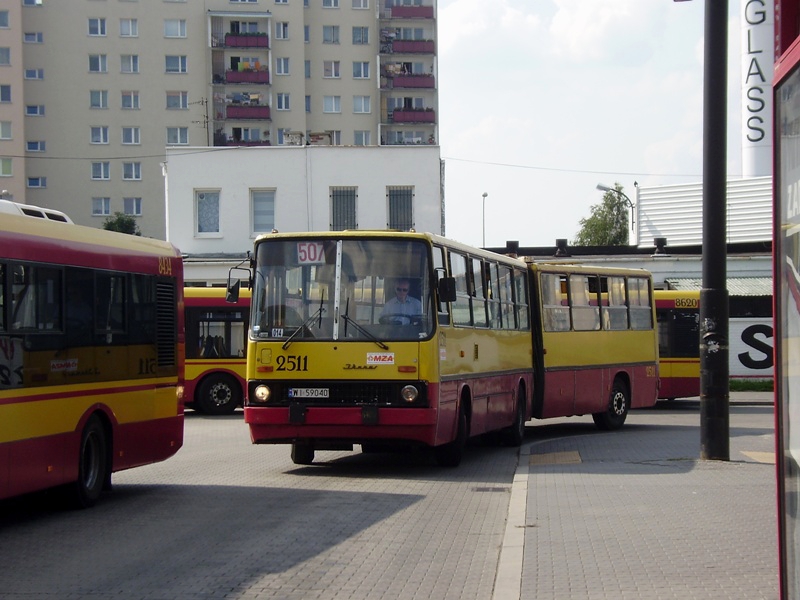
541	100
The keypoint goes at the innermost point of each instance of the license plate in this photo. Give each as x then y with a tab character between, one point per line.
309	392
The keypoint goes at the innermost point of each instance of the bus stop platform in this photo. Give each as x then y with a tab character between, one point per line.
639	514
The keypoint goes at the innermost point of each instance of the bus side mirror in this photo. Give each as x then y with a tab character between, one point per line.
232	293
447	289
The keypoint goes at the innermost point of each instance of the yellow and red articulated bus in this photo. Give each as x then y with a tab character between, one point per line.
216	347
678	314
91	356
387	338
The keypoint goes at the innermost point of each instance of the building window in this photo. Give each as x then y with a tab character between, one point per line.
330	34
307	68
207	211
283	101
177	136
336	137
98	98
308	104
177	100
101	207
360	3
176	64
343	208
34	110
5	130
330	3
37	182
175	28
361	70
281	1
263	207
5	93
34	73
130	100
34	37
330	69
361	104
97	27
361	138
130	135
332	104
400	207
282	66
5	167
130	63
281	30
132	206
306	34
35	146
360	36
101	170
129	27
4	19
99	134
98	63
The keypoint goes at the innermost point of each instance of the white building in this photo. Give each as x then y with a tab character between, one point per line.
219	199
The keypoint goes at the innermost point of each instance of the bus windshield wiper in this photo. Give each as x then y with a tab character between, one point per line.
364	332
307	322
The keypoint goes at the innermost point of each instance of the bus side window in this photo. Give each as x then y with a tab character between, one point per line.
440	272
585	312
461	307
555	314
479	293
641	316
615	308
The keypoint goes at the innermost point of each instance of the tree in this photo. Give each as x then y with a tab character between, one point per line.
608	223
122	223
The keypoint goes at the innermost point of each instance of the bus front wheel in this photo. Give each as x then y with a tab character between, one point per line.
93	465
449	455
618	404
218	395
302	453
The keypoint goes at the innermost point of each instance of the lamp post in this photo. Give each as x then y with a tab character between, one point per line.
621	194
484	219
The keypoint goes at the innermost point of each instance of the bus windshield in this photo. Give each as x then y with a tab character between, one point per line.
374	290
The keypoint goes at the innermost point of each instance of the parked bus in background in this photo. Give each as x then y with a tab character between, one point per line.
678	315
216	346
386	338
91	355
750	335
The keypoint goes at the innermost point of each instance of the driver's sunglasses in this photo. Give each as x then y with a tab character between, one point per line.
401	289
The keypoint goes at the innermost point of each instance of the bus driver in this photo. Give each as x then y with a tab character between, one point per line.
402	305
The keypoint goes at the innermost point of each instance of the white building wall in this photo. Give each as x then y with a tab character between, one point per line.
301	177
676	212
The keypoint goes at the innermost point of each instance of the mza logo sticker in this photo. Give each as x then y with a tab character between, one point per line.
380	358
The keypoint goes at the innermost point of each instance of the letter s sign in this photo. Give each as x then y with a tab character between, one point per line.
757	343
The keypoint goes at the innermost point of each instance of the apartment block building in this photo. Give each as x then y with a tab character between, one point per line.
93	91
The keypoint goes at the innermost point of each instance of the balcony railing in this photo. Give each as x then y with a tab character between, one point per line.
408	12
408	47
426	115
261	76
414	81
246	112
247	40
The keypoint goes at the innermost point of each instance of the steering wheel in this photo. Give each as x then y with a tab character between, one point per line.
394	320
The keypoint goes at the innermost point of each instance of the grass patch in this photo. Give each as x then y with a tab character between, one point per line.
750	385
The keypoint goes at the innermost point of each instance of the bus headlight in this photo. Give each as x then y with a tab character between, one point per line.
262	393
409	393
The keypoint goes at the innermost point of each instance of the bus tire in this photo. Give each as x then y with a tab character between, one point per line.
94	468
515	434
619	402
218	395
450	454
302	453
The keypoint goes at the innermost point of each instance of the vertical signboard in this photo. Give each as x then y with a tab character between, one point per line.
757	60
786	267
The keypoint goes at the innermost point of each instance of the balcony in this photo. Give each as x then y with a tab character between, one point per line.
234	111
413	81
408	47
248	76
424	115
408	12
246	40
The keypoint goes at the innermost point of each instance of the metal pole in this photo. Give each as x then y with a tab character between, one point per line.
714	385
484	219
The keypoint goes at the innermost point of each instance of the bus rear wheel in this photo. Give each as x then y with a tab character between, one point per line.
218	395
93	465
618	404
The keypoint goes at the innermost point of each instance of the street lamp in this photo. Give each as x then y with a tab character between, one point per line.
631	205
484	219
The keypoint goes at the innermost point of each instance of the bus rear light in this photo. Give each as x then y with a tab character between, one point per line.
409	393
264	369
262	393
409	369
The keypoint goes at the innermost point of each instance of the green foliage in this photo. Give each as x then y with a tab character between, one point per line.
750	385
122	223
608	223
